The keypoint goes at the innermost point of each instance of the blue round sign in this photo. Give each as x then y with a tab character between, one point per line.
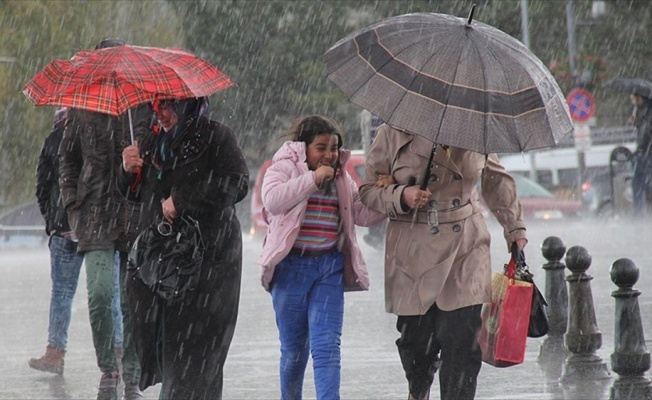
581	105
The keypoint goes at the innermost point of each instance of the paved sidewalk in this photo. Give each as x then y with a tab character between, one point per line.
370	365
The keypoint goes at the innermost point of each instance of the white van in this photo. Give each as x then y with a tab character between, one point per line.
558	167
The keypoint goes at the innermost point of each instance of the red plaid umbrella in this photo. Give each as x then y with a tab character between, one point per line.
116	79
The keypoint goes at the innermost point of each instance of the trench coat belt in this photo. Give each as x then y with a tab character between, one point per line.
434	217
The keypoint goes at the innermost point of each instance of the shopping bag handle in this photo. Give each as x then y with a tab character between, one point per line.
510	271
517	255
517	258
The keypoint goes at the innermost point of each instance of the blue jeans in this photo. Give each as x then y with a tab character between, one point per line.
640	183
308	298
65	265
117	312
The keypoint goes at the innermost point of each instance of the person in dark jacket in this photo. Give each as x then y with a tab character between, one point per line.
90	155
65	262
642	119
192	168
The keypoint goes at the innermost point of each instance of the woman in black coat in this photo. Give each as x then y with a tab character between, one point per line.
192	168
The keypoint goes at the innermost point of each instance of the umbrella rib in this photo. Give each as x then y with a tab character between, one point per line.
450	89
508	82
486	99
419	71
511	90
375	69
484	76
394	58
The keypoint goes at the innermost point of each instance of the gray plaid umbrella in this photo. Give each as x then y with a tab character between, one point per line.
639	86
455	82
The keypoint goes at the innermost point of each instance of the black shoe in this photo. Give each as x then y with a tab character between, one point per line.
132	392
108	388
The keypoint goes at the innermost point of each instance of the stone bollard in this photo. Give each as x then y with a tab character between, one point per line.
630	359
582	338
552	352
556	294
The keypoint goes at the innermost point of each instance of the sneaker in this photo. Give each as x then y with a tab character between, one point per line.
132	392
108	388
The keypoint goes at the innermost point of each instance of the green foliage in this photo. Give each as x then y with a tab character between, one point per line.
37	32
273	51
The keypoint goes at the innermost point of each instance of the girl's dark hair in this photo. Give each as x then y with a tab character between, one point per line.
305	129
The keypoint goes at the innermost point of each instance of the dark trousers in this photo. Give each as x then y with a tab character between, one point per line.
641	183
444	340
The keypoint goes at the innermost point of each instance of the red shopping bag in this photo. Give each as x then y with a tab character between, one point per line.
505	320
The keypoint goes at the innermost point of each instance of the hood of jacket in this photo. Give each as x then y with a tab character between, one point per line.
296	152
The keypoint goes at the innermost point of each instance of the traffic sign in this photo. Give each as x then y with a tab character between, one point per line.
581	105
582	137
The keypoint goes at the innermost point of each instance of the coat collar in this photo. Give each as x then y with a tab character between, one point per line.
422	147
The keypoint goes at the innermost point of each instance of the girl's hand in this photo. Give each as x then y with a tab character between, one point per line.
324	173
384	181
131	158
414	197
169	210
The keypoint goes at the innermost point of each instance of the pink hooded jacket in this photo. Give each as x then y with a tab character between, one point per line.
286	187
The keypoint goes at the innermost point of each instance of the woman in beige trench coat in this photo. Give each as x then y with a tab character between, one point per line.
437	263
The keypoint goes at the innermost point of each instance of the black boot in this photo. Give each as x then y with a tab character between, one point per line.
419	371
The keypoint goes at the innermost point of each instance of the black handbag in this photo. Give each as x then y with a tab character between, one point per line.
167	257
538	325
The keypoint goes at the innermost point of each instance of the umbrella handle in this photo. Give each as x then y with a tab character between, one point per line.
426	174
131	125
134	186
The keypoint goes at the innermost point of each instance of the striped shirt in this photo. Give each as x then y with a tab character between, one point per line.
321	224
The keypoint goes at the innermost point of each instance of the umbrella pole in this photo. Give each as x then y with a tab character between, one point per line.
426	174
424	181
131	126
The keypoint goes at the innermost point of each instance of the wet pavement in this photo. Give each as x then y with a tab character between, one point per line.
370	364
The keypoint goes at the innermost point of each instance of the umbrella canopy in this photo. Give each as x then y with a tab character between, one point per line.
115	79
638	86
455	82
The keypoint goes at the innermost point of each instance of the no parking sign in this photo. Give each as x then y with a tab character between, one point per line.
580	104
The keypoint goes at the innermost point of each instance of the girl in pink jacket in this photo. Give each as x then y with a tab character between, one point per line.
310	254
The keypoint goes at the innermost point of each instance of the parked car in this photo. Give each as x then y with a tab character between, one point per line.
603	200
538	203
355	168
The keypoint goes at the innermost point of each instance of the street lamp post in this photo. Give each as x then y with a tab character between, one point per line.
570	26
525	28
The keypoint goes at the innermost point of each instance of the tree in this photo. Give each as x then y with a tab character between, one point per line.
273	51
37	32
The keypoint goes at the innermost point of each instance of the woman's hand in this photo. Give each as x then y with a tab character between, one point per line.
520	243
169	210
414	197
131	160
